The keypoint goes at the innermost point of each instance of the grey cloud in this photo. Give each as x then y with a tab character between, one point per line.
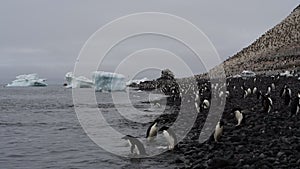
46	36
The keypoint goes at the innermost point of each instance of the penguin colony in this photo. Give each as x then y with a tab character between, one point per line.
290	101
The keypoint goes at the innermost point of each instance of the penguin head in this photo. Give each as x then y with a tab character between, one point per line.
156	121
221	123
127	137
299	94
236	109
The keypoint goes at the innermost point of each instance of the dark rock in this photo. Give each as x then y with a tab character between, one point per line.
179	160
279	154
218	163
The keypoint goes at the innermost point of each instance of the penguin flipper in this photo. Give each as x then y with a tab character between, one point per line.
132	149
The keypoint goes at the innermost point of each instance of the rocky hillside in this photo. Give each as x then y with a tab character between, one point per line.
275	51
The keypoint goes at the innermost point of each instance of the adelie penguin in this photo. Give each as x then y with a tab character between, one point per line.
295	107
136	146
269	90
170	137
238	115
286	94
204	105
218	130
254	90
259	95
152	131
267	103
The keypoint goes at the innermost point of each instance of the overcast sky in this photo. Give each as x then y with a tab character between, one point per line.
45	36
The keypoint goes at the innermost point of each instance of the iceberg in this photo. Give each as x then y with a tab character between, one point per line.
28	80
107	81
78	82
101	81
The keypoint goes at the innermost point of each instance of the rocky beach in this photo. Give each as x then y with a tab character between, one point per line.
263	140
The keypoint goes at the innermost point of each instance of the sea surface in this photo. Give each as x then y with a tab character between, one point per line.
39	128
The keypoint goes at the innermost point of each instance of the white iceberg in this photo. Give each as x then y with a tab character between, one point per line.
28	80
107	81
78	82
101	81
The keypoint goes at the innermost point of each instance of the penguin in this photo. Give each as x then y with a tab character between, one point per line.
238	115
205	104
286	94
197	100
170	137
295	107
245	94
152	131
227	94
218	130
136	146
249	91
273	86
269	90
267	103
259	95
254	90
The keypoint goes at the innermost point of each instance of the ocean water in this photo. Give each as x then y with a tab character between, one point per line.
39	129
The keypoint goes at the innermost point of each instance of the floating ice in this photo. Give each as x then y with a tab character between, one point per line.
101	81
28	80
107	81
78	82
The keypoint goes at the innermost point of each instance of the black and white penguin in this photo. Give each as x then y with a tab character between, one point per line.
136	146
245	94
197	102
267	103
170	137
273	86
152	131
269	90
259	95
238	115
295	107
249	91
254	90
286	94
218	130
204	105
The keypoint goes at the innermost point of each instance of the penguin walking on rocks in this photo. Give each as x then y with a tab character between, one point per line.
204	105
267	103
295	107
136	146
169	136
238	115
245	94
269	90
218	130
152	131
273	86
259	95
254	90
286	94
